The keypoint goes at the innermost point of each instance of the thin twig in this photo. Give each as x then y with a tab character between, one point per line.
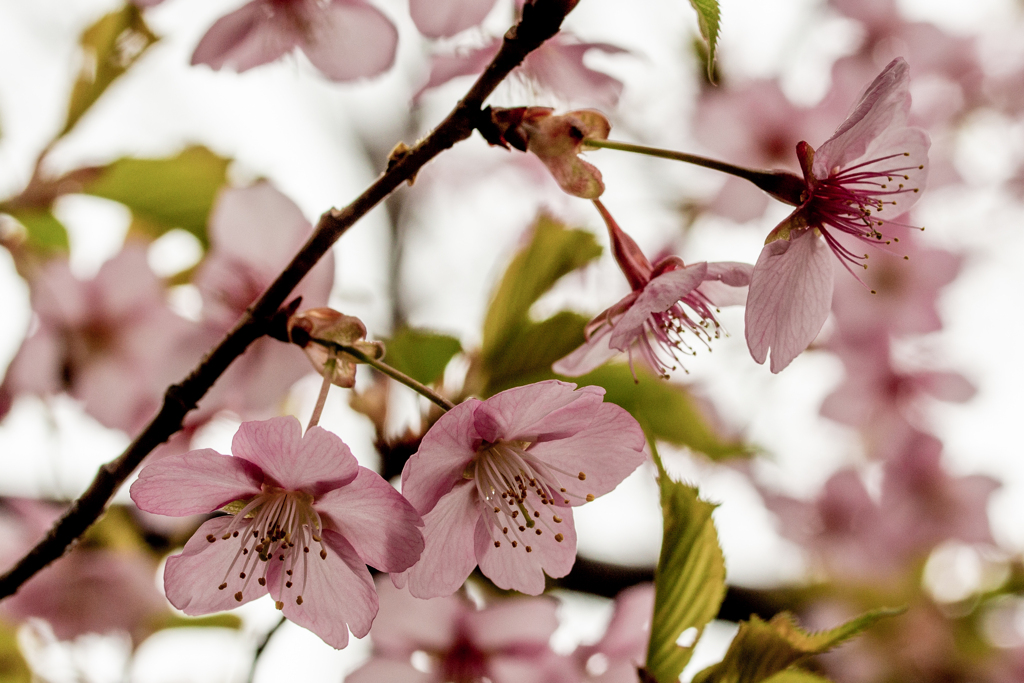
540	21
395	374
263	646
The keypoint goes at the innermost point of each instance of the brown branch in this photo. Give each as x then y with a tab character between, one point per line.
540	21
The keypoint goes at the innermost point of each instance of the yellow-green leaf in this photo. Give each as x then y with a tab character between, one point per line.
690	578
763	649
532	349
109	47
709	20
421	354
13	667
44	234
797	676
163	194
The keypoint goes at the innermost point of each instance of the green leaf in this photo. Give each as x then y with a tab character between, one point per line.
13	667
553	251
44	234
110	47
709	21
163	194
690	578
664	409
797	676
421	354
762	649
530	352
223	620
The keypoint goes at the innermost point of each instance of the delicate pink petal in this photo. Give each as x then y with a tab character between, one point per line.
350	39
658	295
194	483
594	353
448	557
130	265
405	624
315	462
518	569
628	631
445	451
444	68
606	451
885	103
575	176
191	578
948	386
789	297
377	521
337	592
380	670
445	18
515	414
914	144
516	622
558	65
730	273
249	36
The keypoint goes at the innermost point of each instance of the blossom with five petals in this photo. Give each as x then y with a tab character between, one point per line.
307	520
496	481
873	163
653	318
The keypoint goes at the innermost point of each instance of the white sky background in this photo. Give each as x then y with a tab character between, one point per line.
284	122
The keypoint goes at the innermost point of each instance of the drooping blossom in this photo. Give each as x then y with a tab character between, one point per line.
111	342
305	521
874	163
254	233
310	328
344	39
449	640
670	302
496	481
445	18
623	647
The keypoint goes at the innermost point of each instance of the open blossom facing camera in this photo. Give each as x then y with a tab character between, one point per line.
307	520
496	481
874	164
670	302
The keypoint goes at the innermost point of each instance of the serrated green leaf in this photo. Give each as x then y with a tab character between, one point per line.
421	354
664	409
110	47
533	349
553	251
163	194
762	649
44	234
13	667
690	578
709	20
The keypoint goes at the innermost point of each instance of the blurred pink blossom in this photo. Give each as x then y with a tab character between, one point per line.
291	493
445	18
623	647
344	39
505	642
653	318
872	162
496	481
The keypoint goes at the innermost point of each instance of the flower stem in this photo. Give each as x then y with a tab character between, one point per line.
325	387
782	185
262	645
395	374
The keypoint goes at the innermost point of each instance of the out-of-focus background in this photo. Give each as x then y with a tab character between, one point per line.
786	71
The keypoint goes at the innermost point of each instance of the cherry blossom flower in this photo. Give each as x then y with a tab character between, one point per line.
457	643
669	302
254	233
445	18
306	519
344	39
327	324
873	163
623	647
557	140
111	342
496	482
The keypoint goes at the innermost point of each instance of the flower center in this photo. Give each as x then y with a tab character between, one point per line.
276	525
522	491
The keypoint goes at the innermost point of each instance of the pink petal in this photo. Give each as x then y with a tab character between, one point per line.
575	176
558	65
442	457
516	569
594	353
445	18
448	557
516	414
789	298
444	68
376	520
380	670
628	631
249	36
191	578
729	273
194	483
658	295
516	622
349	39
948	386
606	448
405	624
315	462
913	142
885	103
337	592
131	265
